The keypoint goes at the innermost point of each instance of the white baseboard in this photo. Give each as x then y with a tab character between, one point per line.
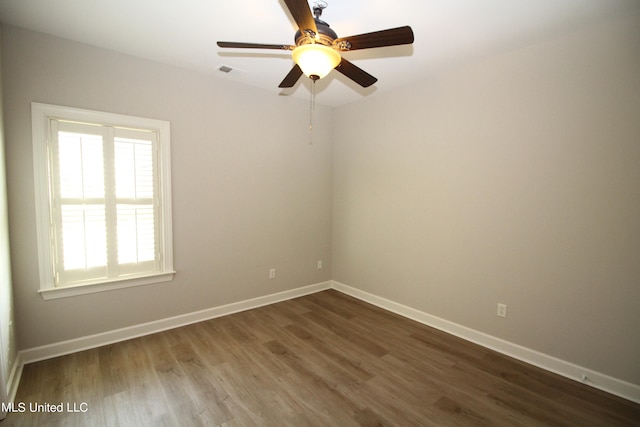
15	374
566	369
92	341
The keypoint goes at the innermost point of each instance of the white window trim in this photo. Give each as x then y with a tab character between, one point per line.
40	114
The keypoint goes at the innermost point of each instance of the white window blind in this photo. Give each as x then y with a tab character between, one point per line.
106	201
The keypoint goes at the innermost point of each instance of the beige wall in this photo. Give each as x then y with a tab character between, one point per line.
513	180
249	192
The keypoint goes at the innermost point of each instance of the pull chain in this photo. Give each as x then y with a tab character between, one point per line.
312	106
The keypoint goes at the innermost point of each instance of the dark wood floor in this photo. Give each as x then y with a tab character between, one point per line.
321	360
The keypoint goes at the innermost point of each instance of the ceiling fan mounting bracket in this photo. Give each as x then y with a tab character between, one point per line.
318	7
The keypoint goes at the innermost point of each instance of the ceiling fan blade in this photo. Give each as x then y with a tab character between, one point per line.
292	77
355	73
301	13
239	45
390	37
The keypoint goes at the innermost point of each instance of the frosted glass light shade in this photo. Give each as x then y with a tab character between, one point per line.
316	59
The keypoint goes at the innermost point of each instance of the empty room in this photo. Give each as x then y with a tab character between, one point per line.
350	213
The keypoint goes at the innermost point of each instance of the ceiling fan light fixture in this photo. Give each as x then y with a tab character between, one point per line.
316	59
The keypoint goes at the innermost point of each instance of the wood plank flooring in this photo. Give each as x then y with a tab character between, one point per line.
321	360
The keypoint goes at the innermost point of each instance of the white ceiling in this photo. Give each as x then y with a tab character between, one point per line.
184	32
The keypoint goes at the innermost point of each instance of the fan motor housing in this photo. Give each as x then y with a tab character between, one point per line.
325	35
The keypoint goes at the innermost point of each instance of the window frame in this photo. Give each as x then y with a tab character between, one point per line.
41	115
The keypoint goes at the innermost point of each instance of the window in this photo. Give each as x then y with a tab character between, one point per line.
103	200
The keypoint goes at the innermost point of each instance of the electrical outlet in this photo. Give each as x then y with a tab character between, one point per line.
319	264
272	273
502	310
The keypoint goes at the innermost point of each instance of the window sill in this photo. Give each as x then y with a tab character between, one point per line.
71	291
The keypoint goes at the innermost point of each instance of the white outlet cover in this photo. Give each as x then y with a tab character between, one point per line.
502	310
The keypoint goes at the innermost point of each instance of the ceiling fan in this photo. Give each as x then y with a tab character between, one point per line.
317	47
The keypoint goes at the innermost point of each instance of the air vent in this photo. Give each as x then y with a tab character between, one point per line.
230	72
